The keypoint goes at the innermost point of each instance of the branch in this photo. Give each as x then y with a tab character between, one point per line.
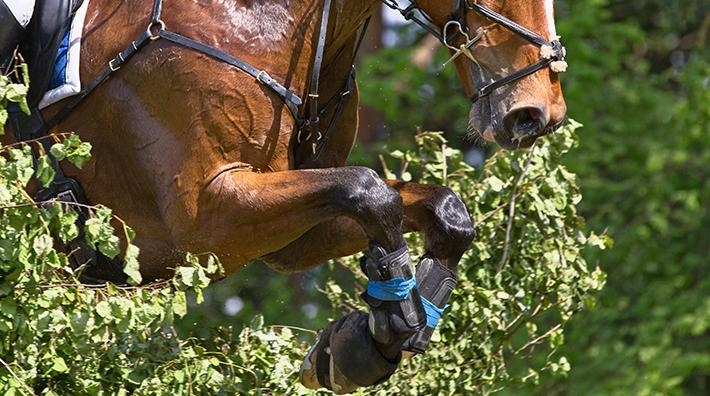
54	136
539	339
7	366
511	210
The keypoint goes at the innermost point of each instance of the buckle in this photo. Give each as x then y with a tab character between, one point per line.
264	77
111	66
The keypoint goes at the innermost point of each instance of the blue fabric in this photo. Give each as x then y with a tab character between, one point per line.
395	289
59	76
433	313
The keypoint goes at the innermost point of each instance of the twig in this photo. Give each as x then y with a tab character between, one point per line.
54	136
511	210
21	382
538	339
303	329
445	171
491	213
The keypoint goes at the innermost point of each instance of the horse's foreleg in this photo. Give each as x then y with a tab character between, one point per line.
245	215
435	211
442	217
251	214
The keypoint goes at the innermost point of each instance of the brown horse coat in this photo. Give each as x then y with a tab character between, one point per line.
199	156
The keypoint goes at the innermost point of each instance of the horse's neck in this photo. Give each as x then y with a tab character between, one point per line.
346	19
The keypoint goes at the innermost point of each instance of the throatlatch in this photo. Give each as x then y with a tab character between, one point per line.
350	352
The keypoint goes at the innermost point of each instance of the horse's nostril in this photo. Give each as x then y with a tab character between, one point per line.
525	121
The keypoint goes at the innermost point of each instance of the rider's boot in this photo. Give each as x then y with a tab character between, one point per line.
11	29
435	283
365	349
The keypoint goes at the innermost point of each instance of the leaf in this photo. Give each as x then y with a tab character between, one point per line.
179	304
103	309
3	119
131	265
58	150
68	230
495	183
42	245
59	365
186	275
110	246
16	92
92	230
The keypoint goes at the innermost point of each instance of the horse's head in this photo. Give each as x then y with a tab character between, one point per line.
507	55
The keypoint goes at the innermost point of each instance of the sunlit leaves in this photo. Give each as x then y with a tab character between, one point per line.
506	305
59	336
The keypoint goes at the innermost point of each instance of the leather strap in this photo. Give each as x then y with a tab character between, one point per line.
338	101
509	24
313	114
156	30
291	100
514	76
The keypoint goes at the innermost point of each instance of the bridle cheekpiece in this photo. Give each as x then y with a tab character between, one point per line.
552	52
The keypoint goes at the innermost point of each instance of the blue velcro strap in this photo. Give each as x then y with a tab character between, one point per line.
395	289
433	313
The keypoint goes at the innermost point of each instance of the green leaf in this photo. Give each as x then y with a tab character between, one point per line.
103	309
42	244
495	183
58	150
59	365
131	265
16	92
186	275
68	230
110	246
180	304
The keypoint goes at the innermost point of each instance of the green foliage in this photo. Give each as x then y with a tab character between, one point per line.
58	336
522	282
638	80
13	92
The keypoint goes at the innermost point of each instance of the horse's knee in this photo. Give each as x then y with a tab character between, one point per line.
375	205
365	193
453	229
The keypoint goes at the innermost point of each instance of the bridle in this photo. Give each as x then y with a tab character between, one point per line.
552	53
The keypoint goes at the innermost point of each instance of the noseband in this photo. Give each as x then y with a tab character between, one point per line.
552	53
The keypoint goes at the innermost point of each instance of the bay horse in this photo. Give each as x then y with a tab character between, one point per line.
201	153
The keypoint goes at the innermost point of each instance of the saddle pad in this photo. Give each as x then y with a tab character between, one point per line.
65	80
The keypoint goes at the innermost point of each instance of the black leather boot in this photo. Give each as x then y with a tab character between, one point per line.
10	34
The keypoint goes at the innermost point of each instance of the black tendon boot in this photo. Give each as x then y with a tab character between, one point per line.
365	349
10	34
435	283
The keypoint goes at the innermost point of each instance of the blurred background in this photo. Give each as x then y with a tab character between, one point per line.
639	81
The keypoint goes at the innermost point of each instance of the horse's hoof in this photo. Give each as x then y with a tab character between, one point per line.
318	370
345	357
